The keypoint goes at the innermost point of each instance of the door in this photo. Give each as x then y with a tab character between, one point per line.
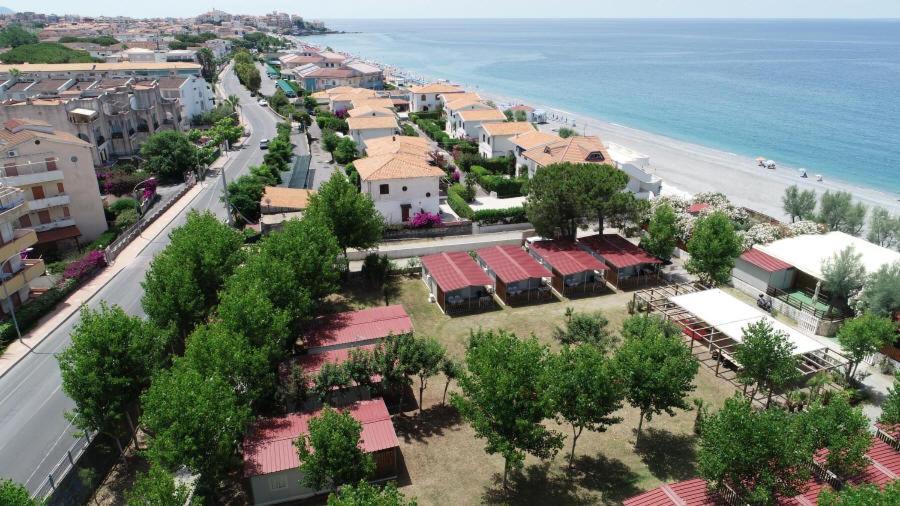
404	212
37	192
44	216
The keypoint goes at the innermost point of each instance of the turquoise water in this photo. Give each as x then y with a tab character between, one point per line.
818	94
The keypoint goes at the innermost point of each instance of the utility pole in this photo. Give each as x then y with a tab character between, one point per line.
227	203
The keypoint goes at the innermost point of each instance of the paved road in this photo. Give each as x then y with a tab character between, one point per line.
34	435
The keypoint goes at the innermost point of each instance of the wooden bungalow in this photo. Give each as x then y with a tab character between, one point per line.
575	271
517	277
457	282
630	266
352	329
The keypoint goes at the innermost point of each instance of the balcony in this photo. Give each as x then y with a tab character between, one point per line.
33	268
56	200
12	205
60	223
22	238
28	174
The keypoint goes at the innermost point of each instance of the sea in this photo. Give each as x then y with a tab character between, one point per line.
818	94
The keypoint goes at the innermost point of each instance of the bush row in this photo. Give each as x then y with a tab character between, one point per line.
458	203
416	116
500	216
505	187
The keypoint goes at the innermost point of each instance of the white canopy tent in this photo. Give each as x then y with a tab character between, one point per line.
808	252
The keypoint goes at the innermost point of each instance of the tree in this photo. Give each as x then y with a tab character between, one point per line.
842	273
182	283
838	213
331	377
890	408
310	103
662	233
157	487
603	191
244	194
766	357
556	204
585	328
586	391
798	204
345	151
14	36
451	370
713	247
841	429
504	397
862	495
45	52
758	454
565	132
884	229
365	494
226	130
881	294
207	62
263	309
360	368
108	365
193	420
656	367
14	494
169	154
330	453
350	215
427	359
864	336
234	102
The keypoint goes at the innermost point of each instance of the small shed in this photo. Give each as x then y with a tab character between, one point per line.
629	265
575	271
353	329
755	271
272	465
517	277
457	282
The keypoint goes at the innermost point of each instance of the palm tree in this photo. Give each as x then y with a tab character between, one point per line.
234	102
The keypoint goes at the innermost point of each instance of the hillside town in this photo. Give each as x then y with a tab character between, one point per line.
243	269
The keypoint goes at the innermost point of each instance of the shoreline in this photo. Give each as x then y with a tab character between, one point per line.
686	166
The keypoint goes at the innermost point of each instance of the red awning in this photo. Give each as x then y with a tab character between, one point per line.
566	257
58	234
454	271
511	263
617	251
764	260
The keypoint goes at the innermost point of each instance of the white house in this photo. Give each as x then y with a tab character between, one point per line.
496	138
425	98
576	149
468	123
641	180
371	127
462	104
399	145
527	141
400	185
360	112
195	94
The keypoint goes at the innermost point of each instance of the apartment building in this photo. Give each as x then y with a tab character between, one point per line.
16	273
56	173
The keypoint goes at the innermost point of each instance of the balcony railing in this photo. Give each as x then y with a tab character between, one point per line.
60	223
803	305
21	239
32	269
54	201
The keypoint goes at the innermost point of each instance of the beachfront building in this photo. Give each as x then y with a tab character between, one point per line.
789	271
517	277
370	112
56	172
90	72
496	138
575	272
467	123
362	128
319	74
17	272
400	185
532	115
527	141
399	145
425	98
271	463
457	283
279	204
641	180
575	149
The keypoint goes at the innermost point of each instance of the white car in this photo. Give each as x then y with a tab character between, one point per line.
263	103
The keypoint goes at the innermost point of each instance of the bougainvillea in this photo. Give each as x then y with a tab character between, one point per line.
86	265
424	219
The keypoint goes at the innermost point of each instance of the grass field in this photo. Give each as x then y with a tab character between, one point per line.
444	463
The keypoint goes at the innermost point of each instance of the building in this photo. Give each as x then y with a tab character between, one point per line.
316	71
352	329
575	271
530	140
219	47
467	124
425	98
15	272
628	266
641	180
370	112
279	204
576	149
532	115
457	283
271	463
56	172
399	145
496	139
517	277
362	128
193	93
181	55
400	185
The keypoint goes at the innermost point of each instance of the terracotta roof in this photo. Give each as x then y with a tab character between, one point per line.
372	123
449	98
360	112
482	115
398	144
269	446
532	140
525	108
511	263
97	67
472	103
332	331
171	83
395	166
456	270
566	257
437	88
576	149
18	130
685	493
338	73
279	199
617	251
508	128
764	260
384	103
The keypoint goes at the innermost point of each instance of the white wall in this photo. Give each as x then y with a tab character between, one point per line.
196	97
415	194
418	102
360	136
498	145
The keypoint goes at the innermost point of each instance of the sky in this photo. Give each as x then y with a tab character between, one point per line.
340	9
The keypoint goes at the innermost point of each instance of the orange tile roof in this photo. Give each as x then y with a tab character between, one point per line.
17	131
531	140
372	122
399	144
574	150
437	88
509	128
374	103
280	198
366	111
395	166
478	115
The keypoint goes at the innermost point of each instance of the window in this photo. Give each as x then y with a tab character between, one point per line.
44	217
60	188
51	163
278	482
424	97
66	212
384	189
25	220
10	169
37	192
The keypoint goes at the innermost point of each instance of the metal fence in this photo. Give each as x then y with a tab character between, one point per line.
62	468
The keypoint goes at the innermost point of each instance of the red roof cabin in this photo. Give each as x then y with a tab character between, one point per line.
755	271
352	329
270	457
517	277
457	283
575	271
629	266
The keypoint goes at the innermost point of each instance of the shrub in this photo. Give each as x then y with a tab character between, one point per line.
121	205
105	239
424	219
409	131
466	160
119	182
376	269
126	218
30	313
457	201
503	216
86	265
505	187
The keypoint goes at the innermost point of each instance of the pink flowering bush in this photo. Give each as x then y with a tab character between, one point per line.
86	265
149	190
424	219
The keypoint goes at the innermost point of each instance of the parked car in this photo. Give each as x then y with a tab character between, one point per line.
263	103
264	144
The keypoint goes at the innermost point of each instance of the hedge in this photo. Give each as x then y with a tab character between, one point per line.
505	187
456	201
504	216
432	115
30	313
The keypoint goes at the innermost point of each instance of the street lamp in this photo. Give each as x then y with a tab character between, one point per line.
12	309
